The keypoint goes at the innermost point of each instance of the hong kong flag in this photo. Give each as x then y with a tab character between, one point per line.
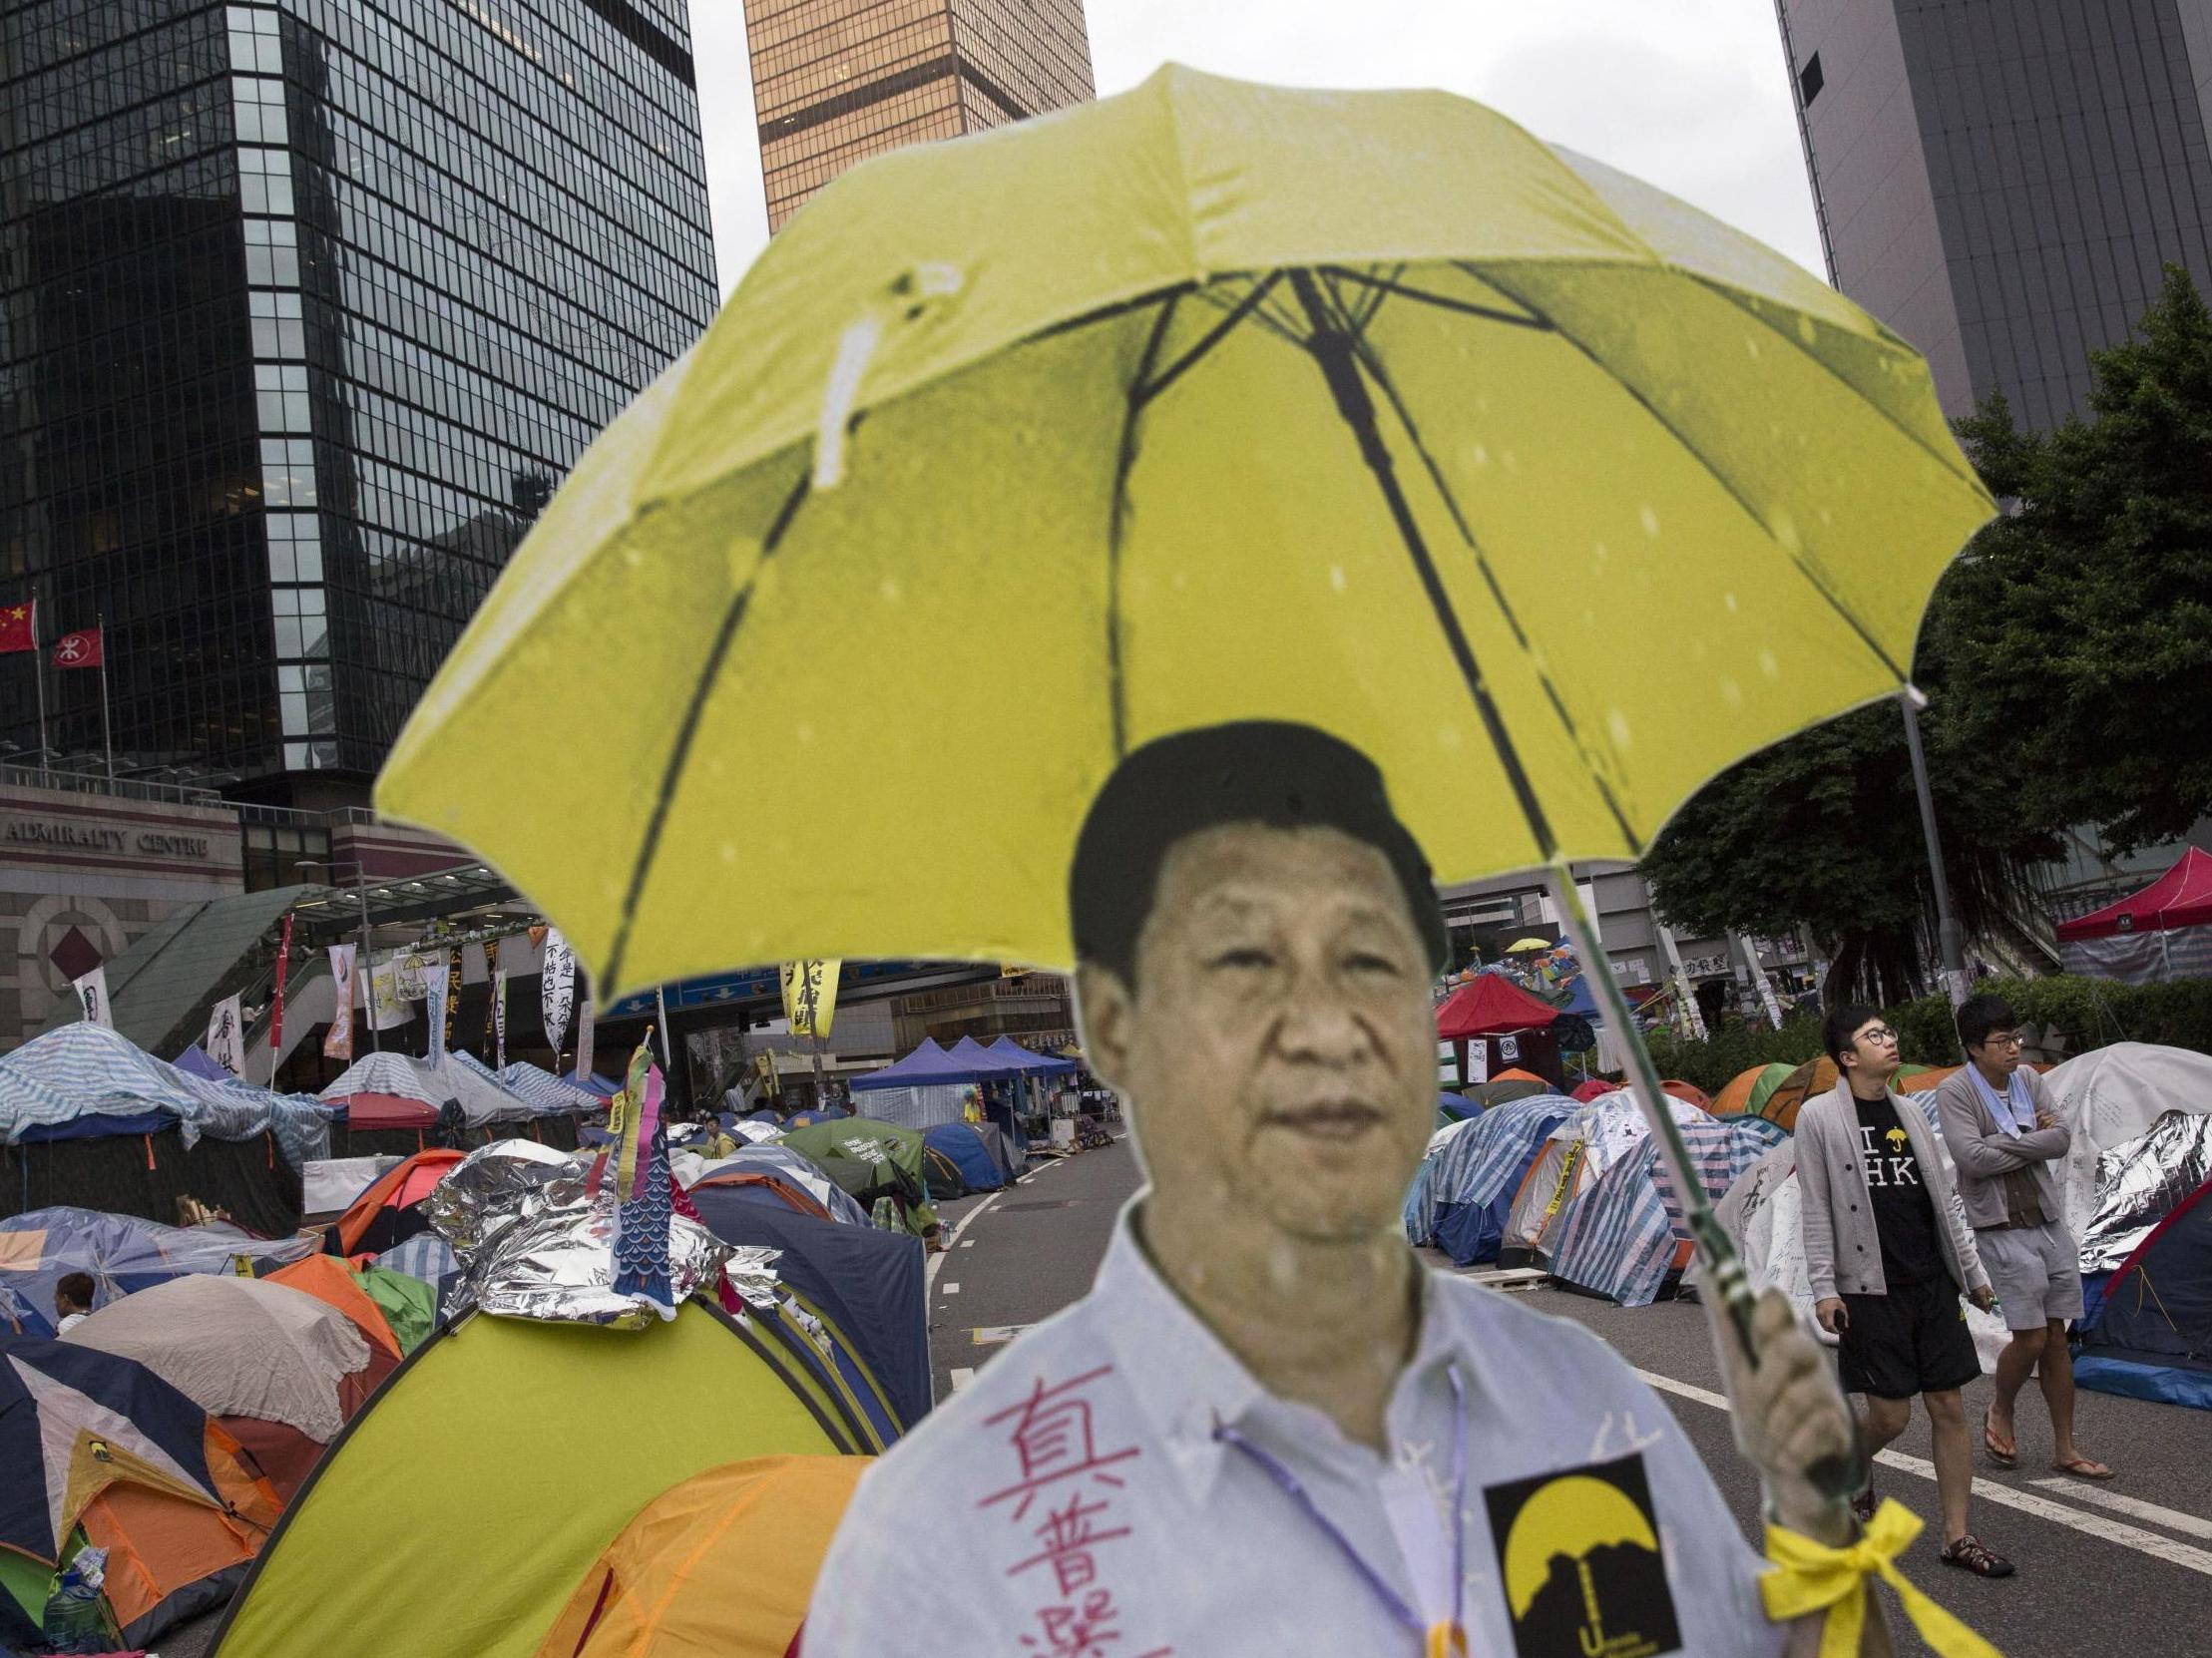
79	649
16	624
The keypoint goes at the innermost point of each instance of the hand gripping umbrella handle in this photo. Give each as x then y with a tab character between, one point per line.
1730	1295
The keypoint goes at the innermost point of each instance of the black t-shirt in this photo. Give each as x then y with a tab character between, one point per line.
1903	1210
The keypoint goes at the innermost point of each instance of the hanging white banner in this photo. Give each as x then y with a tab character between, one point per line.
338	1042
557	990
499	1020
387	1007
92	996
226	1040
584	1035
434	973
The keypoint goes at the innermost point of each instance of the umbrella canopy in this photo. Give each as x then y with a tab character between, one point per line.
238	1346
1487	1006
1521	945
1376	373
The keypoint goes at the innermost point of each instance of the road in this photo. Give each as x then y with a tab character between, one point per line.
2120	1568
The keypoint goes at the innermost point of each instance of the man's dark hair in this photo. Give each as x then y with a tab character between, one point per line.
76	1288
1979	1014
1843	1021
1271	772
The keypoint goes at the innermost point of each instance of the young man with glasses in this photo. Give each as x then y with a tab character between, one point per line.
2006	1136
1889	1252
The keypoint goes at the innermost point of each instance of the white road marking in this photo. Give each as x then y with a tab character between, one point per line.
2005	1496
948	1289
929	1268
961	1378
2173	1519
965	1243
992	1335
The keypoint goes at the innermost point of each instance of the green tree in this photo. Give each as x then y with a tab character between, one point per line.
2067	657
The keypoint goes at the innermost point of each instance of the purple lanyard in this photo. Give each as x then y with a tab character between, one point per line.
1451	1636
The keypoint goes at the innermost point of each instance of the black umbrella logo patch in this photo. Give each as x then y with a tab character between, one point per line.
1579	1554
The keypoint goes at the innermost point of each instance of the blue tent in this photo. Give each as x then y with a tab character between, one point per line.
122	1253
866	1281
1472	1177
1029	1059
2152	1332
979	1171
931	1066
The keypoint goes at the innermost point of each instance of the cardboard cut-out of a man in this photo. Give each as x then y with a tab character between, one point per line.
1267	1430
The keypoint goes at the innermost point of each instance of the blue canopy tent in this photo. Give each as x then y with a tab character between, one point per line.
1029	1059
924	1089
963	1145
866	1281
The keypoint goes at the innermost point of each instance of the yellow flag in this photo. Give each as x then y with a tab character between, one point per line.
810	995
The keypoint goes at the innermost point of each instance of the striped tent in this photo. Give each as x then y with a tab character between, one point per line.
1624	1234
548	1092
1471	1172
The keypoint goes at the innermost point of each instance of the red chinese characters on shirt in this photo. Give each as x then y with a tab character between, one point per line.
1062	1466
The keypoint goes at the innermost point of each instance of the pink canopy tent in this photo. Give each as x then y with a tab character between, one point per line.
2163	932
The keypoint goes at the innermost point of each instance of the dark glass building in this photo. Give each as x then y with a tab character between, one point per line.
305	309
2001	181
835	80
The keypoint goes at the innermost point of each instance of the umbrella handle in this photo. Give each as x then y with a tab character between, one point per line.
1732	1297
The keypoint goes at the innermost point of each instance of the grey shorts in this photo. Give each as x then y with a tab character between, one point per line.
2035	1271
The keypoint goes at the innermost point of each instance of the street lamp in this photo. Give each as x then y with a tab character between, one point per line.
368	952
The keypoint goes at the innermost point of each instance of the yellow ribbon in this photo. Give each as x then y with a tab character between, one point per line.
1808	1576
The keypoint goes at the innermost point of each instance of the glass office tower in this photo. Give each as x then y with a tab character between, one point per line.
836	81
2001	181
305	307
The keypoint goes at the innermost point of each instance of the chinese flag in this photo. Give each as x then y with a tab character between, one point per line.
79	649
14	625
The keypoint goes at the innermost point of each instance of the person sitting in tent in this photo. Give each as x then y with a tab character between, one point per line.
1266	1428
73	1301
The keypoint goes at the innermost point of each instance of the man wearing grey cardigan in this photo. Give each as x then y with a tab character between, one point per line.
1889	1253
2006	1137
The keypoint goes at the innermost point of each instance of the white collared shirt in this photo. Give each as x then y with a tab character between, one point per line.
1075	1502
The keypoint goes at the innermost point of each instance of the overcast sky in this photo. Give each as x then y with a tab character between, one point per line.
1690	94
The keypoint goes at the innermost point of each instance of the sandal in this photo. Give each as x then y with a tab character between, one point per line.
1969	1554
2083	1468
2004	1453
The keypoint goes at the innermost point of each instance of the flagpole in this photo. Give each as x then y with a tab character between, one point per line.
106	731
38	671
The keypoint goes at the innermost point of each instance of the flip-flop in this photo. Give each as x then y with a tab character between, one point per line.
2000	1454
2083	1468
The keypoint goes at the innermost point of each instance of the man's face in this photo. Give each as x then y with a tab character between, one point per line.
1998	1054
1874	1050
1279	1052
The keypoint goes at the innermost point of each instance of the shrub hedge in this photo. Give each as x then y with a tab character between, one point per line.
2089	1011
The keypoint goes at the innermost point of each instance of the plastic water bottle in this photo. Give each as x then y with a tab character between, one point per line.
73	1620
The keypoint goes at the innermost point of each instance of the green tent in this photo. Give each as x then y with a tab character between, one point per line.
409	1305
871	1160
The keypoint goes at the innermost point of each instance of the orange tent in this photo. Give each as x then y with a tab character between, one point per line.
398	1188
780	1186
1688	1093
720	1566
1517	1074
1924	1081
1811	1077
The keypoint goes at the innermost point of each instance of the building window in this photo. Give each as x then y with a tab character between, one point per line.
1810	80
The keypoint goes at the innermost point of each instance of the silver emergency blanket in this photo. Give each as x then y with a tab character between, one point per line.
535	1243
2142	1181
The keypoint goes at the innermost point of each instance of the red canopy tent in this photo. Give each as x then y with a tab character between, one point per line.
2182	897
2163	932
1490	1004
1513	1027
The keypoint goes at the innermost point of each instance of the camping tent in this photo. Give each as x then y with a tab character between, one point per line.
2142	1181
89	1119
1782	1100
962	1146
1623	1238
2110	1095
865	1281
723	1563
2162	932
1747	1091
1474	1168
98	1443
798	1181
2152	1334
1573	1154
870	1159
390	1212
122	1253
458	1512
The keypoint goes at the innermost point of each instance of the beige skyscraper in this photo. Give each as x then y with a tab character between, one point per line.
835	80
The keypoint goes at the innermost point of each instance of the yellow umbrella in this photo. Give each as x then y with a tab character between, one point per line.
1518	945
1365	409
1206	402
